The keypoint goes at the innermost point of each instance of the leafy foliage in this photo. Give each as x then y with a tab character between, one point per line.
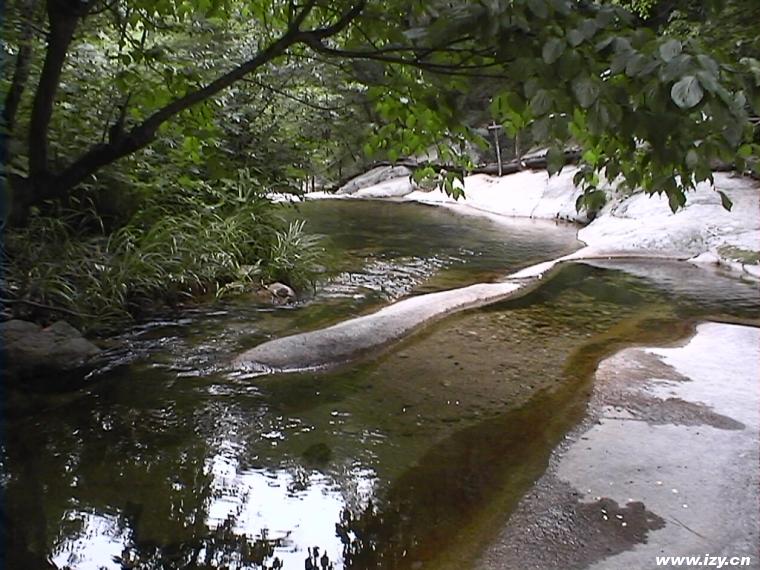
567	72
119	151
188	244
651	111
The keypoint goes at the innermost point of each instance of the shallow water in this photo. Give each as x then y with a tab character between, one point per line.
410	460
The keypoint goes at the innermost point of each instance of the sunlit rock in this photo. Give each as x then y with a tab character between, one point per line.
374	177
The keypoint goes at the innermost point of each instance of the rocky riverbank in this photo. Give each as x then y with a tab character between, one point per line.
629	226
703	231
665	464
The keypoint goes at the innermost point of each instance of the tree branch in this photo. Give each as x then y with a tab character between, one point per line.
141	135
63	22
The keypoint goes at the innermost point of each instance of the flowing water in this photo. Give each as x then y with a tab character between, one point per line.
409	460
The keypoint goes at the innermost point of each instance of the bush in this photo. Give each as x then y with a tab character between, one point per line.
181	244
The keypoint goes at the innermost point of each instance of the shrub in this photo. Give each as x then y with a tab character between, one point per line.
180	245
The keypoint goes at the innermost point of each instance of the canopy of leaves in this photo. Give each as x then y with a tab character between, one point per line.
113	106
655	110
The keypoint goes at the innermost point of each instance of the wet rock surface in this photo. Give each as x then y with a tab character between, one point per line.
666	464
30	347
572	533
348	340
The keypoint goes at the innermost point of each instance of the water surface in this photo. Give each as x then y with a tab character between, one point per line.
410	460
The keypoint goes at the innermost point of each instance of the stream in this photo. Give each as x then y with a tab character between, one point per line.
412	459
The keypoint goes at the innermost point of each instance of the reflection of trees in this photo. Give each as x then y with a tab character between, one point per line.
219	548
359	534
372	538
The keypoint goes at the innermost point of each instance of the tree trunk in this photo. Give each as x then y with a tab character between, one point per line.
63	20
21	71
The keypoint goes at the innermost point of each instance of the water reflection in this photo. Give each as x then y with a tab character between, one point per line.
295	507
94	541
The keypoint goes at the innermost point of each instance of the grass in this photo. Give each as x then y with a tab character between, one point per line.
220	241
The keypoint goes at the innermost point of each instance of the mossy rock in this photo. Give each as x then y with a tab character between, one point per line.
738	254
317	454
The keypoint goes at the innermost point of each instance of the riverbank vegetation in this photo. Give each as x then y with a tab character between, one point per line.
140	138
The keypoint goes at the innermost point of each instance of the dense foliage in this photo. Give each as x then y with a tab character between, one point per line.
123	120
201	242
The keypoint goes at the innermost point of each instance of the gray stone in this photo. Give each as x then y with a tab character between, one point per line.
281	291
671	433
359	336
372	177
29	347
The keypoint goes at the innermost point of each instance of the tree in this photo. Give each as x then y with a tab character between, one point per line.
652	110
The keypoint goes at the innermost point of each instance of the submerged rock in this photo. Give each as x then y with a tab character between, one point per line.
318	454
31	348
360	336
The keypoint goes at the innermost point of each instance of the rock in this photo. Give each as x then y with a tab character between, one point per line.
374	177
361	335
706	258
753	270
318	454
275	293
281	292
31	348
393	188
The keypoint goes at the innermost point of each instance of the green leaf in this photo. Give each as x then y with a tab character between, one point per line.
725	201
604	44
592	201
540	129
539	8
635	65
670	49
673	201
570	65
708	64
590	156
575	38
541	102
687	92
553	50
676	67
586	91
708	81
620	61
555	160
563	6
588	28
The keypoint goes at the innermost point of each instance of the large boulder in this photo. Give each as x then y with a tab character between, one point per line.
31	348
374	177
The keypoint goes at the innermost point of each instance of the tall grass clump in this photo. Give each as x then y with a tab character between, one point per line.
180	245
